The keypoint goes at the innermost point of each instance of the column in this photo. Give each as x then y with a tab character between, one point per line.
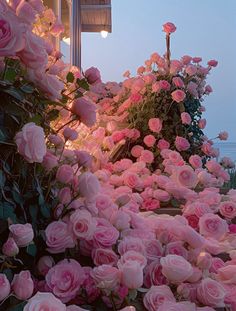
75	33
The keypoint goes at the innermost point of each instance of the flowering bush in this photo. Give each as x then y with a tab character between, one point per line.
78	232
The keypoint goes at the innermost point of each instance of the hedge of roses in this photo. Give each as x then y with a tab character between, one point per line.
79	232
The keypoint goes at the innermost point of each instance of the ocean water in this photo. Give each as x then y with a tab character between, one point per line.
227	149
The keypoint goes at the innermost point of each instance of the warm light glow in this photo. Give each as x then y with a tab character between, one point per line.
104	33
66	40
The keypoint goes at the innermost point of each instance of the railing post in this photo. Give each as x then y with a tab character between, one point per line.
75	33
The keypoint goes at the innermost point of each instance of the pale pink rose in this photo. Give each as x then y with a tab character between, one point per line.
84	158
176	248
178	82
85	110
5	287
185	176
197	59
26	12
188	291
212	63
131	180
150	204
93	75
56	140
196	275
204	261
211	293
186	59
186	118
130	308
44	264
136	151
156	296
141	70
202	123
191	70
163	144
228	209
64	195
65	174
105	235
212	226
106	277
208	89
10	248
156	87
138	85
131	274
83	224
103	256
181	143
65	279
120	220
31	143
146	156
216	264
153	274
164	85
22	234
155	125
58	238
223	135
89	185
149	140
196	161
192	88
227	274
161	195
169	28
175	66
130	243
44	301
70	134
49	161
132	256
177	306
178	95
175	268
23	285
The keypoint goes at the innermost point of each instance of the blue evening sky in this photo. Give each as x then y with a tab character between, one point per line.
205	28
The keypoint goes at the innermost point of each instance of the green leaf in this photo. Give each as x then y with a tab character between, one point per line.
33	209
8	273
83	84
18	307
37	119
7	211
2	179
45	210
27	88
53	114
15	93
10	74
70	77
31	249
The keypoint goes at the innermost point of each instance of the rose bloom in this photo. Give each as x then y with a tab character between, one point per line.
196	161
23	285
178	96
65	174
83	224
153	274
65	278
85	110
216	264
131	274
10	248
212	226
105	236
5	286
106	277
93	75
202	123
228	209
223	135
89	185
58	238
130	243
175	268
155	125
31	143
131	180
156	296
163	144
103	256
177	306
191	70
211	293
227	274
164	85
176	248
44	264
146	156
132	256
181	143
178	82
149	140
22	234
185	176
212	63
186	118
136	151
44	301
169	28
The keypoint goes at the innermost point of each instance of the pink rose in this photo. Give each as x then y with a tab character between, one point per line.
175	67
197	59
131	180
202	123
155	125
75	308
156	296
149	140
212	63
11	35
70	134
186	118
93	75
169	28
105	235
228	209
178	82
191	70
65	279
10	248
45	263
65	174
204	261
177	306
5	287
178	95
175	268
136	151
195	161
176	248
84	158
181	143
227	274
131	274
186	59
31	143
153	274
185	176
88	185
23	285
103	256
49	161
130	243
42	301
26	12
212	226
58	238
83	225
211	293
130	308
106	277
85	110
146	156
164	85
138	85
132	256
22	234
216	264
163	144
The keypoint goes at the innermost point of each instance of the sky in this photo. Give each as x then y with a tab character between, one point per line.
205	28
